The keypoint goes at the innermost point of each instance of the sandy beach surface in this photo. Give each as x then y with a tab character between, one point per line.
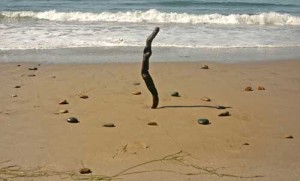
258	141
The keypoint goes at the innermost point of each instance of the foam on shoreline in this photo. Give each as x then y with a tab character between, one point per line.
155	16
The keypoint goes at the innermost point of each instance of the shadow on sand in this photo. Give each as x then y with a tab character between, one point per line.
195	106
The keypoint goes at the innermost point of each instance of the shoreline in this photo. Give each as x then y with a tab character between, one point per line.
160	54
250	142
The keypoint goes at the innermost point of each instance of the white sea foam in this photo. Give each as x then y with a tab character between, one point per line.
67	30
154	16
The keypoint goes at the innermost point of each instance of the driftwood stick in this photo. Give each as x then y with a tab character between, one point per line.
145	68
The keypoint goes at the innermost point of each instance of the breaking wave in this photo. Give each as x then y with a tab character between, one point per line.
155	16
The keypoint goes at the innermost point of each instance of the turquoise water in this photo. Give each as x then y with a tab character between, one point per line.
191	30
187	6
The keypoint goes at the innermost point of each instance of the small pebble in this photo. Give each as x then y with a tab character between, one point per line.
14	95
17	87
53	77
224	114
72	120
205	99
32	68
204	67
260	88
85	171
83	96
136	83
246	144
152	124
18	65
175	94
289	137
203	121
248	88
63	111
64	102
136	93
31	75
109	125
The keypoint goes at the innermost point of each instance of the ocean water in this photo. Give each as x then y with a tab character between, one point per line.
84	31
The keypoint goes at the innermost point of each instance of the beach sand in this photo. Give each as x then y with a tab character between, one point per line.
250	143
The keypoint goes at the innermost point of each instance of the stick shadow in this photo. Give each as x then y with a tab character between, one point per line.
194	106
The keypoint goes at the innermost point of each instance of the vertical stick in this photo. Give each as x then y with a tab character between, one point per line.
145	68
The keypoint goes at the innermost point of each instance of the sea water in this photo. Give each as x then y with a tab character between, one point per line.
95	31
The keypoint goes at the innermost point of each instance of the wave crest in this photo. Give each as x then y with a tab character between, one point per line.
154	16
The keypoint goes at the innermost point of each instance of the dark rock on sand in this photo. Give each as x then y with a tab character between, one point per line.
31	75
14	95
32	68
175	94
204	67
17	86
109	125
136	83
203	121
246	144
72	120
85	171
64	102
289	137
248	88
83	96
152	124
261	88
224	114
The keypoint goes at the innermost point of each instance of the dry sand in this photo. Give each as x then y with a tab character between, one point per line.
32	135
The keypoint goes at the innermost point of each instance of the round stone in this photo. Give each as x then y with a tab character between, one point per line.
85	171
204	67
248	88
261	88
72	120
203	121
